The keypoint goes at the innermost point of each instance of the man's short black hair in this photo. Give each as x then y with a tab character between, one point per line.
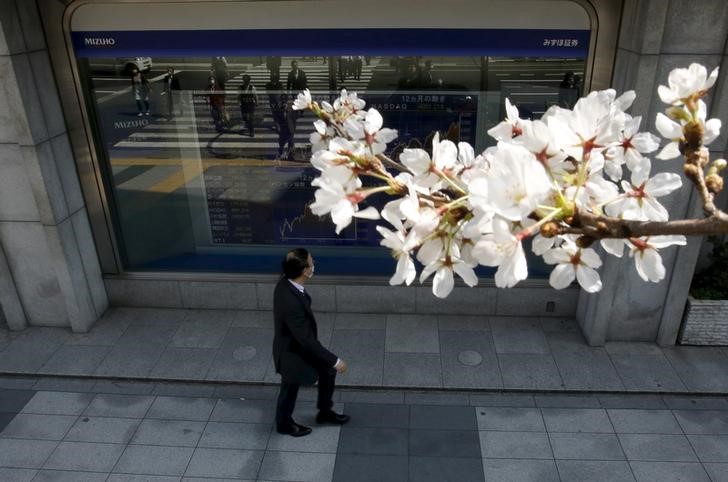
295	262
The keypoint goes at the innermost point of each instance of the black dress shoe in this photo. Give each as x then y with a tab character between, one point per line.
330	416
294	430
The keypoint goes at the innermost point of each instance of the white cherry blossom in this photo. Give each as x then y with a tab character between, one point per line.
639	201
504	250
510	128
394	240
303	100
371	131
340	201
572	263
647	257
682	83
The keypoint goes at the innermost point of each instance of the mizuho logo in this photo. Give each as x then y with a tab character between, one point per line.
99	42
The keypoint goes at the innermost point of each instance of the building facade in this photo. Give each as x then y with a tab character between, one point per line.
120	188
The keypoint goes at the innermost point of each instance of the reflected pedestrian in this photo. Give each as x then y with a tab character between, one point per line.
219	70
248	100
273	64
141	88
296	80
171	90
216	101
298	355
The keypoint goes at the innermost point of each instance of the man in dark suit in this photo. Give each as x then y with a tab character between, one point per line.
298	355
296	79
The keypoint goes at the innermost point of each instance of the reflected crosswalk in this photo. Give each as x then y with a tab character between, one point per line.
195	127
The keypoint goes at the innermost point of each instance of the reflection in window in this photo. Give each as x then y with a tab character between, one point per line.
208	163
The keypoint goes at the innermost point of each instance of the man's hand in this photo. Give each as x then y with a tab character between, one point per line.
340	366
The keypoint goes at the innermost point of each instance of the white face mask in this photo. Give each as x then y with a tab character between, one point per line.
310	274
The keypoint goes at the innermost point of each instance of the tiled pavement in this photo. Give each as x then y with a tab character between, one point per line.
69	429
436	351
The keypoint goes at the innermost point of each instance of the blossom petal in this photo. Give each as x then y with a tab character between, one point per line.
588	278
466	273
443	282
670	151
562	276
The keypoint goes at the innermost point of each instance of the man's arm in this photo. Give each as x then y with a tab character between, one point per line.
296	321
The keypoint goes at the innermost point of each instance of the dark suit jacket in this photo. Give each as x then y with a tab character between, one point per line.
296	84
297	353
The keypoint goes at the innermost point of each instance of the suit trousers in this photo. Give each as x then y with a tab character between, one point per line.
289	392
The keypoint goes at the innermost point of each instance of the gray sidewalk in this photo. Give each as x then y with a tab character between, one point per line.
78	430
444	352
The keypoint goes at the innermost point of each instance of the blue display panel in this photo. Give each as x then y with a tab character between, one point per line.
193	190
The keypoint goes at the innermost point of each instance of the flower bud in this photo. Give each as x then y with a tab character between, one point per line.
678	114
549	230
714	183
719	165
584	241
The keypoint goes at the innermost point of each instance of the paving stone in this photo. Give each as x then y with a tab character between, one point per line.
30	349
373	396
522	445
632	348
484	374
244	355
85	457
445	469
196	331
518	335
184	363
102	430
360	321
647	373
444	443
15	382
365	468
253	319
577	420
173	433
676	402
13	401
373	441
412	370
58	403
105	332
151	460
29	454
413	397
155	316
559	325
64	384
38	427
602	470
363	351
442	418
5	419
230	435
246	411
182	389
510	419
586	446
249	392
657	447
463	323
323	439
378	415
74	360
502	400
646	402
69	476
17	475
710	448
668	472
581	366
520	470
412	334
703	422
124	387
532	372
702	369
112	405
143	478
130	360
181	408
717	472
566	401
297	467
644	421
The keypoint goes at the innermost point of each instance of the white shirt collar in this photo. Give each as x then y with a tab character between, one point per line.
298	286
